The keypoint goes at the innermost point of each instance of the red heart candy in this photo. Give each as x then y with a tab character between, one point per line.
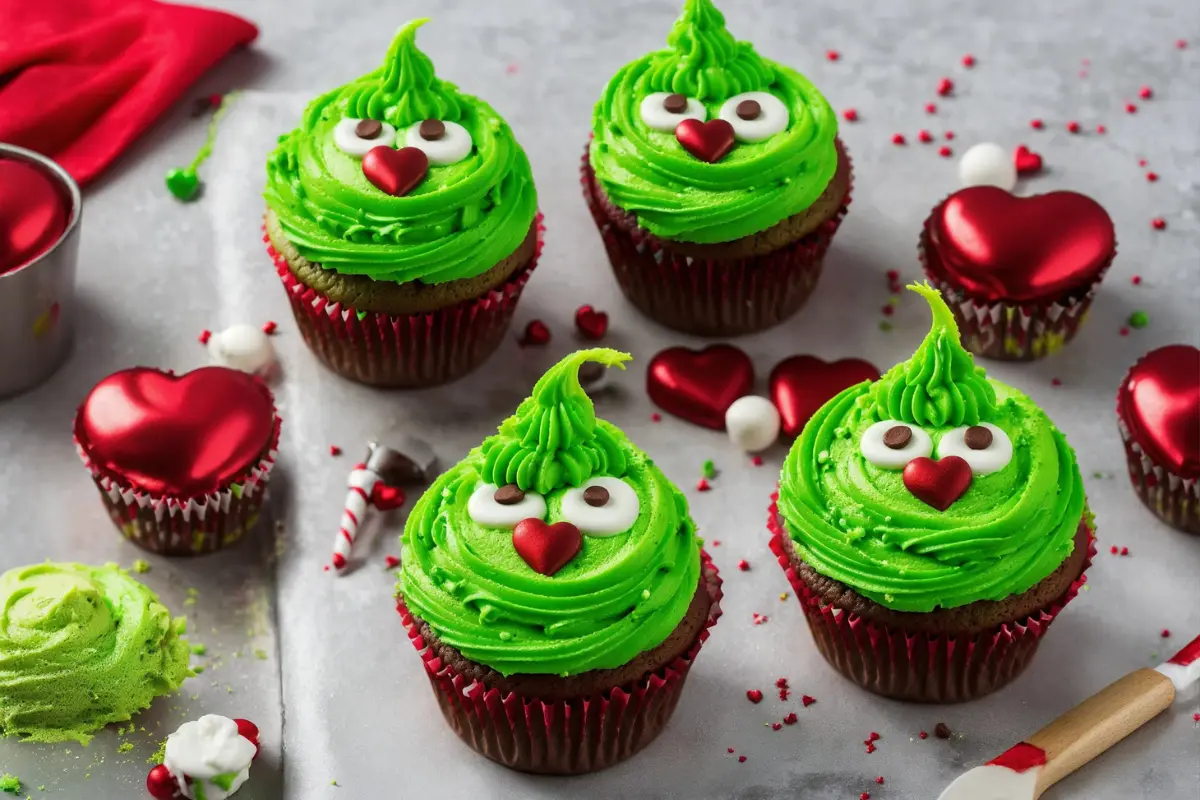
1003	247
707	141
592	324
802	384
1027	161
180	436
536	334
385	497
161	785
699	386
1160	403
546	548
249	731
938	483
395	172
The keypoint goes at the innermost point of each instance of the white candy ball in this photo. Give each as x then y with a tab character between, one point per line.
988	164
752	423
242	347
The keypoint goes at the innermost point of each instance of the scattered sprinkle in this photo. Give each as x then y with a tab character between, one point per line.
1166	633
949	136
754	695
1101	129
783	595
710	469
893	276
781	683
1136	280
1130	108
879	780
1056	382
140	566
1181	44
832	55
1158	223
1036	124
870	748
334	450
656	417
757	461
945	152
1114	549
1196	717
1073	127
873	737
728	749
716	542
888	310
204	336
941	730
897	138
931	108
968	61
269	327
536	334
945	87
807	700
865	796
744	565
791	718
702	485
1124	551
923	735
1139	319
759	619
1152	176
850	115
392	562
885	326
924	136
1145	93
1141	162
776	726
125	747
200	649
741	759
1124	331
512	68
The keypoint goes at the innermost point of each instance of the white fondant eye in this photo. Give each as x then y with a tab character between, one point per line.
755	116
891	444
504	506
357	137
601	506
442	142
985	447
663	111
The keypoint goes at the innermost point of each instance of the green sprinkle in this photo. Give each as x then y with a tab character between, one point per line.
710	469
141	567
884	325
361	316
1139	319
10	783
198	670
260	654
200	649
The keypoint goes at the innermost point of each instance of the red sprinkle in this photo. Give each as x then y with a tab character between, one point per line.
392	562
754	695
759	619
1130	108
1124	331
702	485
1114	549
873	737
781	683
741	759
1145	93
756	461
887	311
269	327
1055	382
865	796
1196	717
1166	633
945	152
716	542
893	275
1073	127
326	568
791	719
1159	223
1101	129
728	749
1152	176
879	780
923	735
949	135
1036	124
334	450
656	417
744	565
1181	44
968	61
832	55
204	336
870	748
945	86
807	700
1141	162
925	136
850	115
931	108
776	726
1124	551
897	138
1136	280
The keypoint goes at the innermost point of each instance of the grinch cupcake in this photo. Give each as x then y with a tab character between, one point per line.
402	219
923	579
555	587
82	647
716	179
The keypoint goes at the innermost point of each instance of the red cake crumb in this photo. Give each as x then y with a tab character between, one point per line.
1101	129
1152	176
776	726
945	152
791	719
656	417
756	461
879	780
931	108
204	336
1130	108
744	565
1136	280
923	735
334	450
807	700
741	759
1166	633
924	136
269	327
392	562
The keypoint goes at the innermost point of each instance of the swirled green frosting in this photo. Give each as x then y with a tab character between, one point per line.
858	523
459	222
620	596
675	195
81	647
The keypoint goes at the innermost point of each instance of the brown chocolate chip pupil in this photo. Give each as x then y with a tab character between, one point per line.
897	436
749	109
368	129
595	496
509	495
977	437
675	103
432	129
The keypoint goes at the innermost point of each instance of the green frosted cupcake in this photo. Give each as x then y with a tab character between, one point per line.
82	647
933	524
556	568
716	179
402	218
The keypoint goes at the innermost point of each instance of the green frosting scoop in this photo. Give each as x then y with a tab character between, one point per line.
646	171
461	220
81	647
845	503
622	594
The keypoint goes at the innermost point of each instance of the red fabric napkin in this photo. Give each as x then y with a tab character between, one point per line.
81	79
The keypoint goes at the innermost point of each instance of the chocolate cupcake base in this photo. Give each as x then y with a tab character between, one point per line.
716	290
545	733
928	658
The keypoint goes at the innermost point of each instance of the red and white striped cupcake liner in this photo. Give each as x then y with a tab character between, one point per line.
1173	498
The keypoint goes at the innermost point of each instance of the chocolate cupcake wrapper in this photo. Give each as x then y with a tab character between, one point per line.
919	667
411	350
1009	331
173	526
1174	499
708	297
566	737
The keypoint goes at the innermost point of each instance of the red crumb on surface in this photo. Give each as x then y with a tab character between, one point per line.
945	152
1130	108
702	485
1056	382
392	562
1101	129
1152	176
744	565
334	450
931	108
791	718
879	780
968	61
204	336
887	311
893	275
1166	633
873	737
1158	223
924	136
1136	280
1124	551
754	695
1036	124
832	55
656	417
1073	127
741	759
1114	549
756	461
870	748
807	700
1181	44
759	619
898	138
269	327
923	735
1124	331
776	726
1145	93
949	135
850	115
728	749
945	87
326	568
865	796
716	542
781	683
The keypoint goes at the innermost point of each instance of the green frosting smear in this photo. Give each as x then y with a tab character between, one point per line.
460	221
675	195
620	596
858	523
81	647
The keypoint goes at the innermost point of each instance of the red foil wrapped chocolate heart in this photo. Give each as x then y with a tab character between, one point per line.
395	172
176	436
802	384
546	548
708	141
997	247
699	386
1160	404
938	483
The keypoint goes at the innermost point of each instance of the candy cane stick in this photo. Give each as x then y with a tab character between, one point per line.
361	482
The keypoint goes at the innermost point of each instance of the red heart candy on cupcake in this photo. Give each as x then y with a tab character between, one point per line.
707	141
938	483
546	548
181	436
1160	403
1001	247
395	172
802	384
699	386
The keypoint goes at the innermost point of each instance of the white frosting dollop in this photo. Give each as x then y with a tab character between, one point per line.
988	164
242	347
213	754
752	423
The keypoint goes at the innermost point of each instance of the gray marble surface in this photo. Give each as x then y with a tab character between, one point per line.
340	695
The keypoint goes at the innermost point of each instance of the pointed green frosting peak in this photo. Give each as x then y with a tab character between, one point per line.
405	90
940	385
553	439
703	59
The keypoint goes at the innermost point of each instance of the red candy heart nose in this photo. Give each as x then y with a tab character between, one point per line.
161	785
707	141
938	483
395	172
546	548
249	731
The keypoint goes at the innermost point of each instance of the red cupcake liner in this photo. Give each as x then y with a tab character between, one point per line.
189	526
918	666
565	737
409	350
708	297
1012	331
1173	498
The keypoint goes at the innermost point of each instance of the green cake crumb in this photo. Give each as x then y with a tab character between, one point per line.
200	649
159	755
140	566
260	654
125	747
710	469
10	783
1139	319
198	670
